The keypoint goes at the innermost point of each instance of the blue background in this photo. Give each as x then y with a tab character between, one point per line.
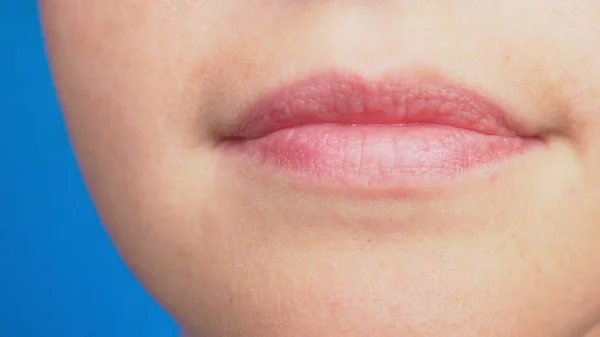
59	275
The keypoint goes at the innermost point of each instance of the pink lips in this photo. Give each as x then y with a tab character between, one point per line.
344	130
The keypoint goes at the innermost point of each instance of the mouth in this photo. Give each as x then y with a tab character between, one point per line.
344	130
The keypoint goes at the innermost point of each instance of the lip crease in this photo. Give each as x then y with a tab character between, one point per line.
342	129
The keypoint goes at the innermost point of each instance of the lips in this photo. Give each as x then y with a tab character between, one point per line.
342	129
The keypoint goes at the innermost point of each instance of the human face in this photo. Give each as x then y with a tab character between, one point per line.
271	168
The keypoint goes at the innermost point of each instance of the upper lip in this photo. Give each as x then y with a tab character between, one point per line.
340	98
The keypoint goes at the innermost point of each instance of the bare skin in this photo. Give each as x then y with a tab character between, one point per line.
146	86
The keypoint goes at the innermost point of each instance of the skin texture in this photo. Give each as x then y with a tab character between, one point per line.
147	85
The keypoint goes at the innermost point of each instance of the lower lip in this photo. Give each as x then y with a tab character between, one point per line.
409	155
